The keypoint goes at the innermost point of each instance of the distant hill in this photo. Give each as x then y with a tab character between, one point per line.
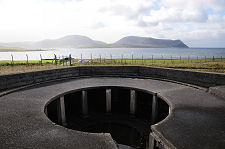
67	41
78	41
149	42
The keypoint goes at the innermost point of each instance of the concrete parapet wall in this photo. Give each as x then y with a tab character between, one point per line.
218	91
203	79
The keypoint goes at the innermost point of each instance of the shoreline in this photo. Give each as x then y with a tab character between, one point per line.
14	50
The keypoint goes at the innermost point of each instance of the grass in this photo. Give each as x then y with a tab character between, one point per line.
6	67
24	62
26	68
209	65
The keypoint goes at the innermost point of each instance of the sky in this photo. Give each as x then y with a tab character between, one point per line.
198	23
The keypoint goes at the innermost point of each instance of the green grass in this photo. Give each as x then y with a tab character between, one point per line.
209	65
150	61
23	62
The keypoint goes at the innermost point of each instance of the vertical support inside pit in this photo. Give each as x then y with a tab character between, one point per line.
61	111
151	142
154	108
122	103
133	102
84	102
108	100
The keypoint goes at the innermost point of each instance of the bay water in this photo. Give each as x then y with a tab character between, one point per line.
115	53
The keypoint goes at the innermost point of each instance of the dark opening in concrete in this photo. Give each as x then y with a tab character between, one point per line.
123	134
125	113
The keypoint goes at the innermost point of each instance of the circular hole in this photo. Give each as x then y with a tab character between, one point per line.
121	133
125	113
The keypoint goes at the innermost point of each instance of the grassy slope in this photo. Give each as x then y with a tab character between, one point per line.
23	62
216	65
25	68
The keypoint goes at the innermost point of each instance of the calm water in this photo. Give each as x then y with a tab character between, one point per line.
118	53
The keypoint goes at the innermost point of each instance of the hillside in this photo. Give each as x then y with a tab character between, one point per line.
67	41
78	41
149	42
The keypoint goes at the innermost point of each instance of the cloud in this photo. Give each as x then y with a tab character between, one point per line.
99	25
109	20
173	15
129	9
183	4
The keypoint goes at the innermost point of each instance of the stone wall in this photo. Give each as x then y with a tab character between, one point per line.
203	79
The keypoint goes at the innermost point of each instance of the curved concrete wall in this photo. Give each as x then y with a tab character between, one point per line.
203	79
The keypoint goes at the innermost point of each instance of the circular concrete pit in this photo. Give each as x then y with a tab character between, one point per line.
76	112
125	113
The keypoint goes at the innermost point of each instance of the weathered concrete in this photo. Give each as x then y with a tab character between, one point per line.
151	142
192	77
218	91
196	118
84	104
154	108
108	100
133	102
204	79
61	111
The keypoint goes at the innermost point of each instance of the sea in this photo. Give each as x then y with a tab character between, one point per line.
116	53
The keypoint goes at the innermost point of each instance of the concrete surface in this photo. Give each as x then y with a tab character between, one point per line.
218	91
204	79
196	118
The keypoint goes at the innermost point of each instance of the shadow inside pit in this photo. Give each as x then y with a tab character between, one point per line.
128	129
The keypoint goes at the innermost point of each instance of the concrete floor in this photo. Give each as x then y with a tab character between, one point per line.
196	118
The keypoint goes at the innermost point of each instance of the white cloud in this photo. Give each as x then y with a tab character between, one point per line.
109	20
213	4
174	15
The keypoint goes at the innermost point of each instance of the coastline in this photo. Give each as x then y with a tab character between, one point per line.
22	50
